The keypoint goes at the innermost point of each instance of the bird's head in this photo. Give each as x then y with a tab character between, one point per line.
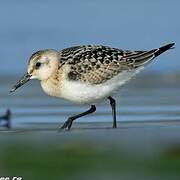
42	65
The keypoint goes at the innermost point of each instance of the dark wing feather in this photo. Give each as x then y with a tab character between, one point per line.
140	58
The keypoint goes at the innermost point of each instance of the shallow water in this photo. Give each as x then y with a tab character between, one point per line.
135	102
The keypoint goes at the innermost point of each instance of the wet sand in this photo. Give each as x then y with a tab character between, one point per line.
138	150
142	136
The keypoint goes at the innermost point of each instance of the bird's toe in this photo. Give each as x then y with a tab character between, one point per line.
66	126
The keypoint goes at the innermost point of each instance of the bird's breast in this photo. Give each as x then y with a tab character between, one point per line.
51	88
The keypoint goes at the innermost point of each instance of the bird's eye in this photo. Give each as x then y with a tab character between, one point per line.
38	64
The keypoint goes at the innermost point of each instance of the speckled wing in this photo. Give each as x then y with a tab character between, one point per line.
96	64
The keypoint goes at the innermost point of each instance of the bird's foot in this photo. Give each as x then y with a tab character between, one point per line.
114	125
67	125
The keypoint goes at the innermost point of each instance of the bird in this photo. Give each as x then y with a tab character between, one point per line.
87	74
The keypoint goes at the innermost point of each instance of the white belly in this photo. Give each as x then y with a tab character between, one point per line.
83	93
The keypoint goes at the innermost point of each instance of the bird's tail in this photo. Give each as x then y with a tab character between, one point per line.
142	58
162	49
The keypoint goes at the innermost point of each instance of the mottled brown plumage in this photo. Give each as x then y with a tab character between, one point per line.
96	64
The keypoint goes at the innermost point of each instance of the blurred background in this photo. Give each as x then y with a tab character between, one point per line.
27	26
146	144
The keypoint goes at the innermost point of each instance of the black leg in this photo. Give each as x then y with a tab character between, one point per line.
67	125
113	106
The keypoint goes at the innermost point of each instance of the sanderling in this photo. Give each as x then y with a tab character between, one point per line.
86	74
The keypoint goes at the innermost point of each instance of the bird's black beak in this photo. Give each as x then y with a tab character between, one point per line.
22	81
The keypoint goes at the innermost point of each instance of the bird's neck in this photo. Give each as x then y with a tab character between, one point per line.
52	85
